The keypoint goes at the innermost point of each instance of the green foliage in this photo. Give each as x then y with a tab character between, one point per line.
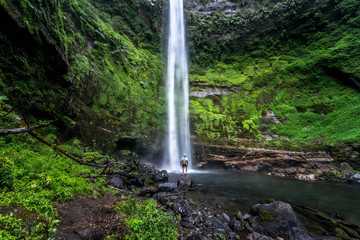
34	178
109	67
6	176
147	220
308	84
39	180
3	4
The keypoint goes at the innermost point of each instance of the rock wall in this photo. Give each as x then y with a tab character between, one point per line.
224	6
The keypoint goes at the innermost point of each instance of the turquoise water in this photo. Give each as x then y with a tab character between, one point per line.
233	190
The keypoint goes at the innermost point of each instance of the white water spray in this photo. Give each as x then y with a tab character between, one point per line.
177	88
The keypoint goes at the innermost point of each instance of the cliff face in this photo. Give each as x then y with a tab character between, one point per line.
90	63
284	73
285	69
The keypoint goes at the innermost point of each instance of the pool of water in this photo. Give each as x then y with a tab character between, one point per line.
233	190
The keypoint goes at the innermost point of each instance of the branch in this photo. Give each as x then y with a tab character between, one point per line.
27	129
60	150
14	130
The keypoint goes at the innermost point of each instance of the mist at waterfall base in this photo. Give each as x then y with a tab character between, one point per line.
177	90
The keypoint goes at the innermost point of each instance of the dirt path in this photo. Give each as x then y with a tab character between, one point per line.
89	218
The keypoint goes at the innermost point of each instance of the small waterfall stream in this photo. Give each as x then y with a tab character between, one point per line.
177	88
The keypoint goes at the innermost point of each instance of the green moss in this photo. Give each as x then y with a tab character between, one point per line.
270	200
3	4
265	215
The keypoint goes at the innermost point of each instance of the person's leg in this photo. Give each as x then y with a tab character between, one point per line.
183	170
186	170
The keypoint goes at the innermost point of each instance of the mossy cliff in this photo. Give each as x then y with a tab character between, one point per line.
284	73
287	70
97	65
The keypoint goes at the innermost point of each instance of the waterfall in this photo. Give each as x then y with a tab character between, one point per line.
177	88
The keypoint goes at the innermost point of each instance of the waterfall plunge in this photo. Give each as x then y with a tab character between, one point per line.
177	88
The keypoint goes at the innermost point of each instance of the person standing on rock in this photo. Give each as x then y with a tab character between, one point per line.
184	163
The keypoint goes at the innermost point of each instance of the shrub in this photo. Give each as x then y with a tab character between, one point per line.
6	177
147	220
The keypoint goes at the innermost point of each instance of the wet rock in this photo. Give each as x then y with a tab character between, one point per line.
225	217
197	236
149	190
134	180
90	233
182	208
248	227
160	176
185	182
239	215
116	182
277	219
346	170
277	162
309	177
332	224
247	216
258	236
355	178
232	235
214	223
167	187
187	222
236	225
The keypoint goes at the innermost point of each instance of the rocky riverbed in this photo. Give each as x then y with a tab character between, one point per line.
266	220
294	164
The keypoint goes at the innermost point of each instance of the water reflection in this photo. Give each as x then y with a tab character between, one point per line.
240	190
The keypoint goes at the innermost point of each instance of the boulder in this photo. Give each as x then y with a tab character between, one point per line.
355	178
167	187
308	177
116	182
134	180
149	190
160	176
185	182
277	219
329	224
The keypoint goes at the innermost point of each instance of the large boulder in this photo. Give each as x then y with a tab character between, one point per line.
277	219
185	182
160	176
167	187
